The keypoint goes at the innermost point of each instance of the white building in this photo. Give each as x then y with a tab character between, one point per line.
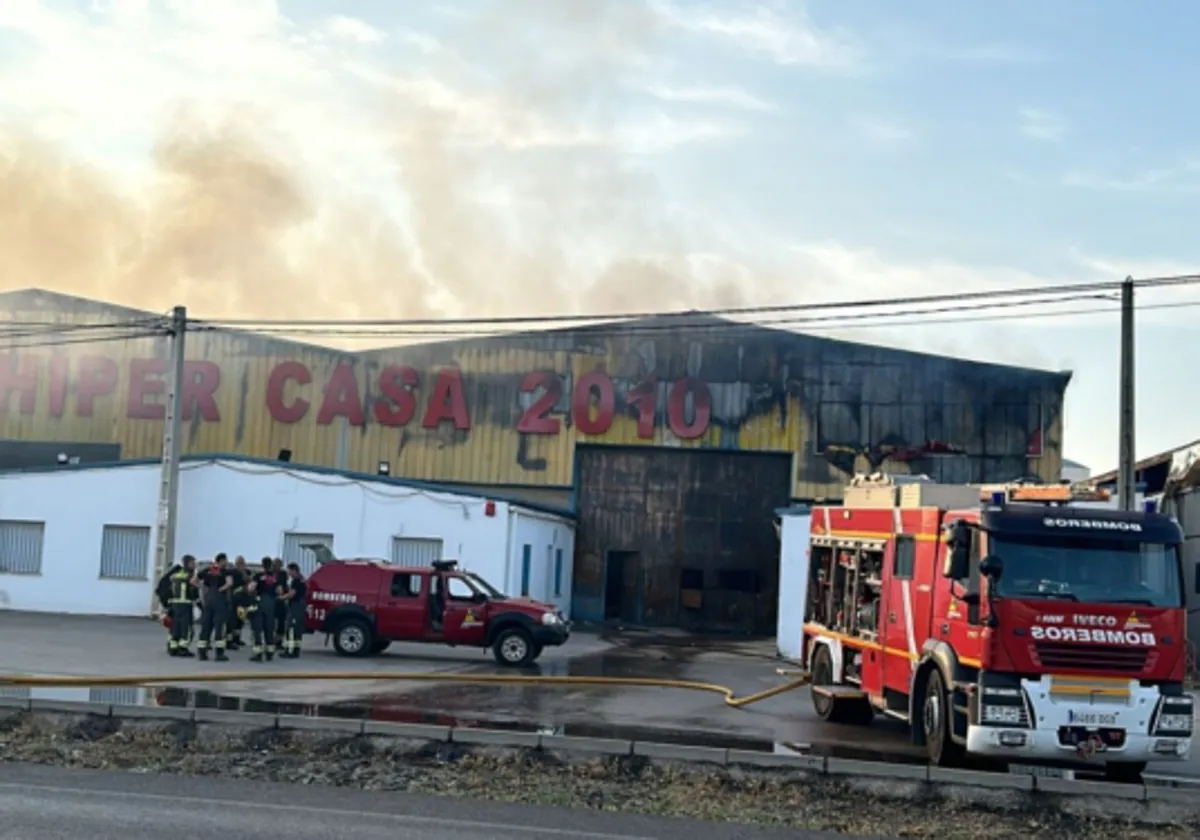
80	538
1074	472
794	533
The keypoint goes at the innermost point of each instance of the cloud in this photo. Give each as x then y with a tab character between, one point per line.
725	95
1176	180
881	131
1042	125
355	29
785	38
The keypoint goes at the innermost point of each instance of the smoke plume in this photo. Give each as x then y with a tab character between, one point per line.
516	198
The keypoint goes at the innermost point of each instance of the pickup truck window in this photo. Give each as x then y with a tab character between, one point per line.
406	585
459	590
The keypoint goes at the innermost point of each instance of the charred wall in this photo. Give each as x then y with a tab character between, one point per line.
509	412
668	537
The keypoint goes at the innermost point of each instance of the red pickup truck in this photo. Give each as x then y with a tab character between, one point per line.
365	605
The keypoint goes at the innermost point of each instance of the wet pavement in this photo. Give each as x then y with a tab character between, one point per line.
92	646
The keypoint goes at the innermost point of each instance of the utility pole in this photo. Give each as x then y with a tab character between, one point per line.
1127	458
168	488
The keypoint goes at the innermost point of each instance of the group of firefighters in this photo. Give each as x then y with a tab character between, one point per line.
271	600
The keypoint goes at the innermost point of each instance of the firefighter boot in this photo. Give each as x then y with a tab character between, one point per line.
258	657
221	657
184	652
203	654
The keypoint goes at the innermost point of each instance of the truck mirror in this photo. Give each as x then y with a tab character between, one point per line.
479	598
991	567
958	553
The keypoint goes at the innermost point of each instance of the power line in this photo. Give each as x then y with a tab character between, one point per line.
994	294
50	341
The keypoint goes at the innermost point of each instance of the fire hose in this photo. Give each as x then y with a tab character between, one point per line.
729	695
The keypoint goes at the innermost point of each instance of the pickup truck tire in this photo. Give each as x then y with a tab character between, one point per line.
353	637
514	648
379	646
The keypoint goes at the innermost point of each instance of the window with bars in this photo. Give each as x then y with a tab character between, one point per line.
416	552
21	545
294	550
125	553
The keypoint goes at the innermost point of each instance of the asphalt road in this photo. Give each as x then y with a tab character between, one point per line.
39	803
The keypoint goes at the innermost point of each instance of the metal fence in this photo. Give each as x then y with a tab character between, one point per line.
21	547
416	552
125	553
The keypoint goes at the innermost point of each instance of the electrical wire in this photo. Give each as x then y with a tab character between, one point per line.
913	318
1108	287
126	335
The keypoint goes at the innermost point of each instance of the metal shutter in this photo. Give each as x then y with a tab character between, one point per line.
21	547
293	551
415	552
125	553
118	696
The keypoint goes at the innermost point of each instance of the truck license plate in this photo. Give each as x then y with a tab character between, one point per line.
1093	719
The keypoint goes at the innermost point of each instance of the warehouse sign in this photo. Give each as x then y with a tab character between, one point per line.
399	396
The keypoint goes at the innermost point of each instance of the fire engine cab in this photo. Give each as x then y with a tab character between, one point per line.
1022	622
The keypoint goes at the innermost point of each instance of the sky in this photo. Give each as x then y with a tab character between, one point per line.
329	158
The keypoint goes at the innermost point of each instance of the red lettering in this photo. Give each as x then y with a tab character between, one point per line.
535	420
447	401
398	405
677	409
59	375
342	398
97	378
597	383
278	407
200	381
19	375
644	398
145	380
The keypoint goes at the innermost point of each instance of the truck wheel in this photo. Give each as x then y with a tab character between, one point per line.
857	712
1124	772
935	719
352	638
513	648
379	646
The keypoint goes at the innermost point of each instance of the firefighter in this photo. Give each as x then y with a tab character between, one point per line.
266	583
184	585
281	580
214	618
241	577
295	597
250	611
162	591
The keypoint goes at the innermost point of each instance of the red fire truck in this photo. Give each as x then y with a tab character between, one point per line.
1026	623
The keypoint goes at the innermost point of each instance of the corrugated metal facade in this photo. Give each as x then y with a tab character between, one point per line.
838	407
671	538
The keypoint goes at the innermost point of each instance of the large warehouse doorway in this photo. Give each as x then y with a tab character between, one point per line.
679	537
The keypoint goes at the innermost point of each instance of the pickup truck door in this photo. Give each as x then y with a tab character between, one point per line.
464	621
402	606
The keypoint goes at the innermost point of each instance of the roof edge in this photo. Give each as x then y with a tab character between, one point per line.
292	466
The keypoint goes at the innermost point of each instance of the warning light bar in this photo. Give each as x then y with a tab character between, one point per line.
1047	494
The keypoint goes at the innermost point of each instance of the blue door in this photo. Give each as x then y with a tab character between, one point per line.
526	568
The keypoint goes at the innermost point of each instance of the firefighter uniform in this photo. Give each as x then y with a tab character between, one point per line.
281	580
162	591
266	584
236	621
183	597
296	596
215	606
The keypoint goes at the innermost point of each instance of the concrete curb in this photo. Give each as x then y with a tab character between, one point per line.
858	771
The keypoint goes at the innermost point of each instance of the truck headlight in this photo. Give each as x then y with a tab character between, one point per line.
1003	714
1175	716
550	619
1174	723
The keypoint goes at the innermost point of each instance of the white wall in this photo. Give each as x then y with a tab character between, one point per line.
246	508
1074	472
545	535
76	505
793	583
